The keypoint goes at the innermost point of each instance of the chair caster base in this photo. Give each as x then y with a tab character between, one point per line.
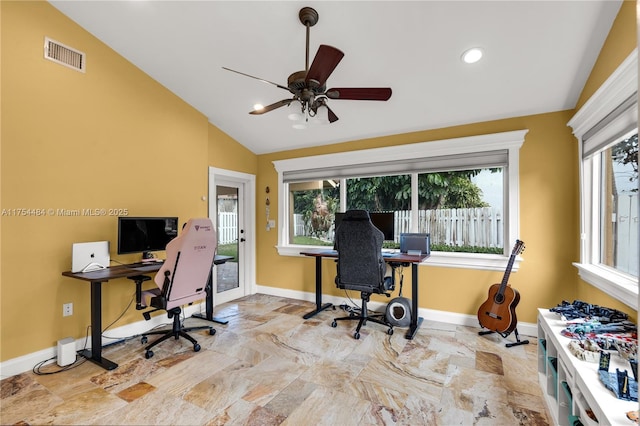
148	354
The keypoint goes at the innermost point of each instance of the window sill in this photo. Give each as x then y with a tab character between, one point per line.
616	285
490	262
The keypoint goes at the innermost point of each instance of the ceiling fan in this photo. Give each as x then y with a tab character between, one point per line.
309	86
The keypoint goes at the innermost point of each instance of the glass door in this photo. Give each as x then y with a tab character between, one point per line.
232	209
230	228
229	239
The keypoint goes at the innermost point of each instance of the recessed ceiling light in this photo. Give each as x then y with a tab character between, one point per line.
472	55
258	107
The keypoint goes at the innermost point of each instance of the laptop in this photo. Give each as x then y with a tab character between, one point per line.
414	243
86	257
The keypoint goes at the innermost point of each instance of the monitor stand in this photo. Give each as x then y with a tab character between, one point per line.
93	266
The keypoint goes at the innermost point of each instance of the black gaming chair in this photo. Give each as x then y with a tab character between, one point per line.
361	266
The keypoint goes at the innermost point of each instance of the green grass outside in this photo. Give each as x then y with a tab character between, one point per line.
229	250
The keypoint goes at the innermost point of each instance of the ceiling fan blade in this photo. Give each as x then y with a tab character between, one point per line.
331	115
360	93
257	78
284	102
325	61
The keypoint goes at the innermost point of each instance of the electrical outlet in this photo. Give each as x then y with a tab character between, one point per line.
67	309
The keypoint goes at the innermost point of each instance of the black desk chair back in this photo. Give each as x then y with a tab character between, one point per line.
361	266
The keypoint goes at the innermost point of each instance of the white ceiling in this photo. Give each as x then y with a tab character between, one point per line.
538	55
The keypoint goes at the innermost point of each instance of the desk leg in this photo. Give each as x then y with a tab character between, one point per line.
415	320
319	306
95	353
209	305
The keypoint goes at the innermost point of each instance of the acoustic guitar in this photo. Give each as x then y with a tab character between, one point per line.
498	312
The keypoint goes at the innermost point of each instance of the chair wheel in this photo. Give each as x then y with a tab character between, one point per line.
356	336
143	340
390	331
196	347
334	324
212	331
148	354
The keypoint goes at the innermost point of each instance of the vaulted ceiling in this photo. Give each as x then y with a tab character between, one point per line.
537	57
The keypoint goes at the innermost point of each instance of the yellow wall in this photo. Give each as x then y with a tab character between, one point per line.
548	196
226	153
112	138
549	206
620	43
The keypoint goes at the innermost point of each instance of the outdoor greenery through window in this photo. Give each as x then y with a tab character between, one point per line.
461	209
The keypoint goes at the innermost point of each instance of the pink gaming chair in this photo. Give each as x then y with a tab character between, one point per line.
182	279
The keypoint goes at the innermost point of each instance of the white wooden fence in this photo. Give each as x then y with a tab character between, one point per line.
478	227
227	227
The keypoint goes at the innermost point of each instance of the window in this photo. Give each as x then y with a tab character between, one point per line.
472	181
619	194
607	129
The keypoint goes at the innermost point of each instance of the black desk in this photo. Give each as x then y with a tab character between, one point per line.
121	271
403	258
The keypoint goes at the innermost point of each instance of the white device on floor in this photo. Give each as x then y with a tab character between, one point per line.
66	351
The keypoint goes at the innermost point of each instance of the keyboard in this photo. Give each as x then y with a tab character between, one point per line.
141	264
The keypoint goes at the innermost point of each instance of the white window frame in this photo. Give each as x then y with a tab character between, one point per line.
510	141
622	84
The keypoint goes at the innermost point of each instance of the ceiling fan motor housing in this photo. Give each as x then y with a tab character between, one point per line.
296	82
308	16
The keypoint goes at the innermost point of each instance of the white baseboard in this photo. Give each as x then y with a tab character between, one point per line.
524	328
27	362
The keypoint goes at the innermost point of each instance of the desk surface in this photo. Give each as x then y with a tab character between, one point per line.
387	256
123	271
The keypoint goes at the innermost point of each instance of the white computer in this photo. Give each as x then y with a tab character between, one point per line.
91	256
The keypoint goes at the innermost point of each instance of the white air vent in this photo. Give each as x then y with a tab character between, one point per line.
64	55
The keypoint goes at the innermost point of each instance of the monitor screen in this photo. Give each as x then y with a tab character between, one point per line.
385	222
145	234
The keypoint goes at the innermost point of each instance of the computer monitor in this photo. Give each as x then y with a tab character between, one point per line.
385	222
145	234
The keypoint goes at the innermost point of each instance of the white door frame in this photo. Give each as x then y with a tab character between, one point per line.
248	259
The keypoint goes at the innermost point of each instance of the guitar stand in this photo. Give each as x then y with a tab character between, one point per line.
518	342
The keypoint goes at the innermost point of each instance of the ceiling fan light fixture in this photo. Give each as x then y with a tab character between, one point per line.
473	55
258	107
322	116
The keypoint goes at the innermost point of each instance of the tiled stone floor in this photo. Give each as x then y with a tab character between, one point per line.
268	366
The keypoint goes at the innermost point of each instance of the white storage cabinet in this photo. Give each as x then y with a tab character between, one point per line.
570	386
